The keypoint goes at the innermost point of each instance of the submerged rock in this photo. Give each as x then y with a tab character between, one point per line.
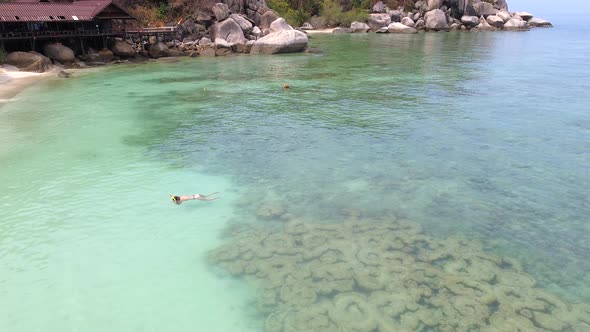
385	275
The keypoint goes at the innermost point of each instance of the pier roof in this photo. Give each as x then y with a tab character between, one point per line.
29	11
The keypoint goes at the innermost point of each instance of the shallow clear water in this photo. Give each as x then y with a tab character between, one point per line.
484	135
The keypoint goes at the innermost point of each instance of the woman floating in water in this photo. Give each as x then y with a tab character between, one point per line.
180	199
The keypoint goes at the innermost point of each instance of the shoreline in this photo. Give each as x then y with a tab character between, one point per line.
13	81
328	30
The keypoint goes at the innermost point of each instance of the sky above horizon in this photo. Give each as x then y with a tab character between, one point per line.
550	8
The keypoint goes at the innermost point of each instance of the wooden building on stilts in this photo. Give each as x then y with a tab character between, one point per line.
27	24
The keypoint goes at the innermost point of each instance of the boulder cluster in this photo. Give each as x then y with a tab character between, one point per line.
385	274
230	27
446	15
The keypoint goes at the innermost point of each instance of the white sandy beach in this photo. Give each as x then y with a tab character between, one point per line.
13	81
328	30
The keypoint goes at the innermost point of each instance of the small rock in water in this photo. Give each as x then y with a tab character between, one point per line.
63	74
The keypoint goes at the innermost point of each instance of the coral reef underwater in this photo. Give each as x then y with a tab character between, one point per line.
385	274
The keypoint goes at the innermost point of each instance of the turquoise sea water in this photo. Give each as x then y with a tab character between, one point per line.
480	135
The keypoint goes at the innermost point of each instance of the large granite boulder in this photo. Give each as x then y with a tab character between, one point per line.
539	22
504	15
279	25
221	11
306	26
222	47
244	23
495	21
59	52
396	15
484	9
122	49
229	30
434	4
236	6
419	24
515	24
158	50
254	9
378	21
470	21
266	19
461	8
379	7
286	41
484	25
408	22
397	27
436	20
500	5
359	27
525	16
106	55
29	61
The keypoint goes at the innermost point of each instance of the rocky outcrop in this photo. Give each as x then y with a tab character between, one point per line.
495	21
484	25
504	15
229	30
378	21
285	41
359	27
158	50
266	19
221	11
279	25
484	9
436	20
306	26
106	55
539	22
397	27
29	61
470	21
243	22
408	22
379	7
122	49
524	15
516	25
434	4
59	52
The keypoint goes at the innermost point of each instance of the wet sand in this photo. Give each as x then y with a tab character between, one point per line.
12	81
